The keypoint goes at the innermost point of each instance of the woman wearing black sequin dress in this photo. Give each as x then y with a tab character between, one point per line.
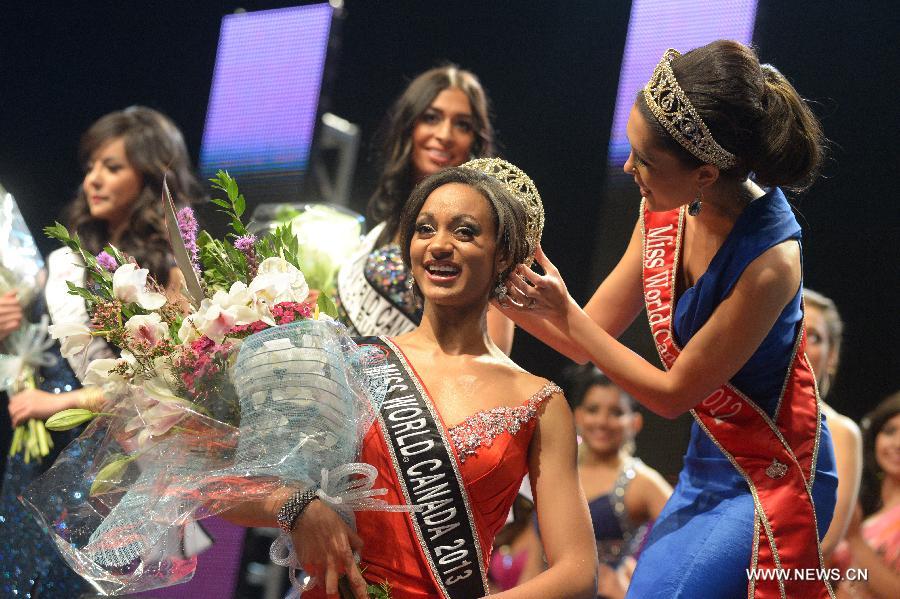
125	154
441	120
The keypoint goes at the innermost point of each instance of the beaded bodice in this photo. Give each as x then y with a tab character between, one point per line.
480	429
386	272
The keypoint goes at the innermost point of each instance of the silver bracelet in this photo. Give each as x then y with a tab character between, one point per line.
293	508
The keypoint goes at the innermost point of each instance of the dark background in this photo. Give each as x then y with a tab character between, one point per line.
551	70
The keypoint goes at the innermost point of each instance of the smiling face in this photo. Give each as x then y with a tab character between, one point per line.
887	448
443	135
664	180
111	184
605	419
453	250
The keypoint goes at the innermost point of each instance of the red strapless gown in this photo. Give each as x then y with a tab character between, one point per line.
492	450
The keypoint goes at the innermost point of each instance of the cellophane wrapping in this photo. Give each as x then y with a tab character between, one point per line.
21	263
145	470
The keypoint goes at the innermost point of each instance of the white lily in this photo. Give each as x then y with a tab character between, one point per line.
99	373
130	286
73	336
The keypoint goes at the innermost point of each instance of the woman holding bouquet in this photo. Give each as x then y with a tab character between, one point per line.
441	120
715	260
461	424
125	153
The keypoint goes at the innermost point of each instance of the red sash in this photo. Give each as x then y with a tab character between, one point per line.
776	457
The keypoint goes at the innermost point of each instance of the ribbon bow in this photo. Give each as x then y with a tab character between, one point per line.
347	489
28	347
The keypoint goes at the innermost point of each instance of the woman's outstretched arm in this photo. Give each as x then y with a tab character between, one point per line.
712	357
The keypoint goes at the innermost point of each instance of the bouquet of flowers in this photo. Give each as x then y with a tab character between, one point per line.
24	350
219	399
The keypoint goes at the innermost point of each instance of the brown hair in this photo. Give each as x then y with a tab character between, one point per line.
508	212
752	111
155	147
871	425
396	180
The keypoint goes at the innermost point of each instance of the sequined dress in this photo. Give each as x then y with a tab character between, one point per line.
373	295
617	536
491	447
30	565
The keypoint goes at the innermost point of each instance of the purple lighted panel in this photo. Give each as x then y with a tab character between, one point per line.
657	25
265	90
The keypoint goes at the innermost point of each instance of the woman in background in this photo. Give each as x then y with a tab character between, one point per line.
872	541
440	120
824	334
625	495
125	153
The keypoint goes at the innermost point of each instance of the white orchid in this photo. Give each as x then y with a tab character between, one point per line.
147	328
276	281
130	286
73	336
223	311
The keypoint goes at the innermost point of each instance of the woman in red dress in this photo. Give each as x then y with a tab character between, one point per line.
462	424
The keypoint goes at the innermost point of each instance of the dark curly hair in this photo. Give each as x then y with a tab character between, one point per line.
155	147
396	180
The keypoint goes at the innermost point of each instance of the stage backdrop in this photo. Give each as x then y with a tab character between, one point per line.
552	71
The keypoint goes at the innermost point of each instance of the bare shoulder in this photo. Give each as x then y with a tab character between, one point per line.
516	382
647	493
842	428
649	478
776	271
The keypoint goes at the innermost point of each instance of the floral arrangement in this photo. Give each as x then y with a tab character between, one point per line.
25	349
187	429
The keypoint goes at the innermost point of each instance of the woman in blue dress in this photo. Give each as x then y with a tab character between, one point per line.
126	154
715	260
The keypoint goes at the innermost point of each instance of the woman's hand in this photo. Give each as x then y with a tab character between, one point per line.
324	545
37	404
10	314
544	295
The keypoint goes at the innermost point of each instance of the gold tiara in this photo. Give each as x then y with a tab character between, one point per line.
671	107
523	189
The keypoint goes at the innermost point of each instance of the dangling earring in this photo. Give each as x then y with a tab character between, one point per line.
501	290
410	281
696	205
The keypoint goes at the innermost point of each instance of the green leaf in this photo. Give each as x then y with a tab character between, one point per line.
82	292
239	205
326	306
219	202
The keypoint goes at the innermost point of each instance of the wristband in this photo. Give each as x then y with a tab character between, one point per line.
293	508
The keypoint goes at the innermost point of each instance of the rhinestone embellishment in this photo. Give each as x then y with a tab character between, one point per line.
481	428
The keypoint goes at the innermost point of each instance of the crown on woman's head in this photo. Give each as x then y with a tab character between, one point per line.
523	189
671	107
